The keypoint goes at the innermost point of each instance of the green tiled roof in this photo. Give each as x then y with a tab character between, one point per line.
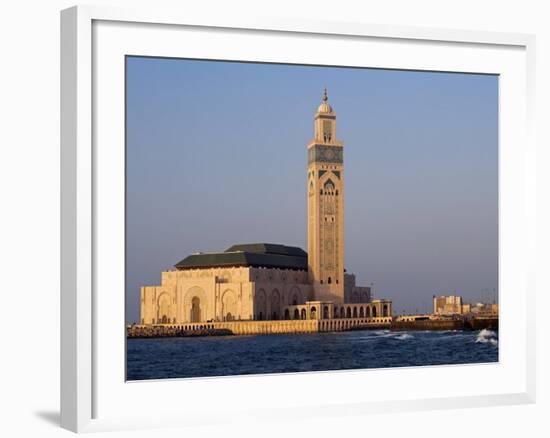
268	248
267	255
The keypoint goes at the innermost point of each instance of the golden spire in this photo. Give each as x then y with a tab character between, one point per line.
325	97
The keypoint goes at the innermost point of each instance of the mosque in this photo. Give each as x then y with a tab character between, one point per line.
265	281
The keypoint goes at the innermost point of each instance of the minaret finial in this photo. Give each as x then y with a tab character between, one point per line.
325	97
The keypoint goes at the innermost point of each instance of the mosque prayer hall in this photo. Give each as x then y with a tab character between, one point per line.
273	282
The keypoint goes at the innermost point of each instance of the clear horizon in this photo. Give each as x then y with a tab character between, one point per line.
217	155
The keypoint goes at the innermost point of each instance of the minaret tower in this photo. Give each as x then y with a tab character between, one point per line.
325	207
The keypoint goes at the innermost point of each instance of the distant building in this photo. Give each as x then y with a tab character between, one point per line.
484	309
263	281
447	305
454	305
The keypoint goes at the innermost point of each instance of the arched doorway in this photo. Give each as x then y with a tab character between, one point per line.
348	312
361	312
373	312
229	305
368	311
294	296
296	314
303	313
195	305
287	314
325	312
195	309
355	312
275	304
313	313
260	304
163	308
385	312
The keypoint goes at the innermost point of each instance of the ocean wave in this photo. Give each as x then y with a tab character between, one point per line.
404	336
392	335
487	337
381	332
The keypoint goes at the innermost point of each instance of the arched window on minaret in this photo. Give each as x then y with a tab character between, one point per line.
329	186
327	131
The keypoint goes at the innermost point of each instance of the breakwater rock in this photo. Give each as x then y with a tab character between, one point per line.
160	331
489	323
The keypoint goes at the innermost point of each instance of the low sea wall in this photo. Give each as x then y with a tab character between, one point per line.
228	328
256	327
476	323
489	323
429	324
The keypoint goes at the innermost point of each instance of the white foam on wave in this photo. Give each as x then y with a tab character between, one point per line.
487	337
392	335
381	332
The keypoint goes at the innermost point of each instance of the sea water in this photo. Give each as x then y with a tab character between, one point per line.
160	358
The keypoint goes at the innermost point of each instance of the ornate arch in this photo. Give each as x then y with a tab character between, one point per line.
295	296
275	304
164	308
328	185
260	304
195	305
229	305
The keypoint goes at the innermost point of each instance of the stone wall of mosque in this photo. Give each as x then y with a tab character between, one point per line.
222	294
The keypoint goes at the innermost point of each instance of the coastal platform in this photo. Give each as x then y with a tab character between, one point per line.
229	328
256	327
474	323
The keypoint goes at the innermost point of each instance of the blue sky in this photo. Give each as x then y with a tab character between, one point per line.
216	155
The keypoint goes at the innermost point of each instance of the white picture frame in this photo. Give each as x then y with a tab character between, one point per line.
94	395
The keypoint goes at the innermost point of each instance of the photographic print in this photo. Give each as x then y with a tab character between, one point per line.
291	218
